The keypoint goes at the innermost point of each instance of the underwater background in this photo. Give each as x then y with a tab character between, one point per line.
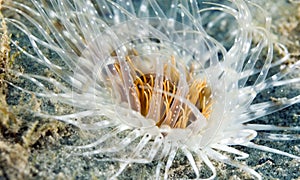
36	148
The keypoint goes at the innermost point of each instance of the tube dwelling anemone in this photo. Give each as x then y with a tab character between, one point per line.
157	82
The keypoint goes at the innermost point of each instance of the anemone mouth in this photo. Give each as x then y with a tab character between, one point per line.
162	91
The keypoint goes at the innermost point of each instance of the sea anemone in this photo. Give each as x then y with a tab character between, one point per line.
157	79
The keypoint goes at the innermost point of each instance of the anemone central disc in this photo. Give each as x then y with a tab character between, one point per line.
161	92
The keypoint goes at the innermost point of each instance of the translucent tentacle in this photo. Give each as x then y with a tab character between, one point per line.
222	147
203	156
222	158
265	108
70	119
272	150
280	137
267	127
191	159
171	157
105	137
